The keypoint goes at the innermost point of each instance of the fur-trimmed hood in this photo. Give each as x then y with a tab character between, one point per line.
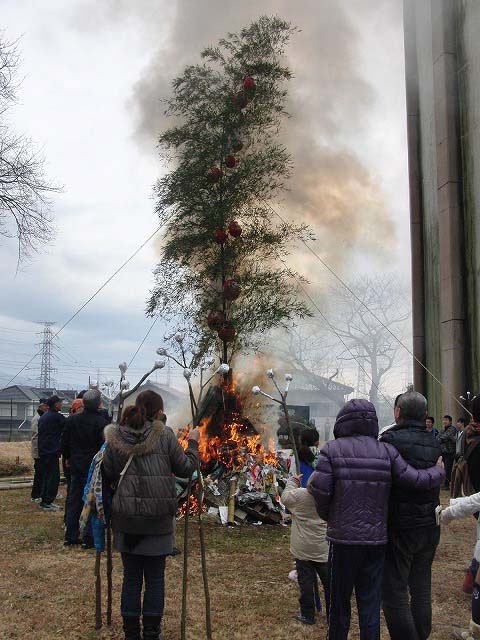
138	442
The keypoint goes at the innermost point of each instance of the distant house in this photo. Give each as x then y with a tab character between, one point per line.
18	404
316	400
173	399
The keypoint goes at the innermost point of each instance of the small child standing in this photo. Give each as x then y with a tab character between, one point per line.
309	547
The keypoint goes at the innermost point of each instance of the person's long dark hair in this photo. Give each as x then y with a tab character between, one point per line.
147	405
309	438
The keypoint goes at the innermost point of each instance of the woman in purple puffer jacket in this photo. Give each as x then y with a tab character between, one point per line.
351	487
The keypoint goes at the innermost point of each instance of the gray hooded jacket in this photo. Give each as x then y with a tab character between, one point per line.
145	502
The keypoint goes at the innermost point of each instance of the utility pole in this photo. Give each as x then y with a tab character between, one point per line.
46	370
11	419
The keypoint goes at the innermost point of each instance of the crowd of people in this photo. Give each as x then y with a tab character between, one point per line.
75	439
365	507
378	494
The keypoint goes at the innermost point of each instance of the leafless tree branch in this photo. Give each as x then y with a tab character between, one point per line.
25	205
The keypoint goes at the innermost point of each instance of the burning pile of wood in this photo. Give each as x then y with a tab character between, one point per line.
243	479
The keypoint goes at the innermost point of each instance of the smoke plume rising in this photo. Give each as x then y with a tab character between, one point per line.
329	102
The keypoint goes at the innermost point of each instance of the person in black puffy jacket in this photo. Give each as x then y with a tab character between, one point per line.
413	532
81	439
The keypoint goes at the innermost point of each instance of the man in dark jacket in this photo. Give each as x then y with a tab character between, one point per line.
448	443
351	486
413	532
82	438
50	427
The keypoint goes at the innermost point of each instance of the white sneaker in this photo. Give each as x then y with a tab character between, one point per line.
50	507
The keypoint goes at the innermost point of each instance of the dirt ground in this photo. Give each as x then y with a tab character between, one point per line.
47	591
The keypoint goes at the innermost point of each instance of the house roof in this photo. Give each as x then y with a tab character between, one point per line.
21	393
303	380
169	394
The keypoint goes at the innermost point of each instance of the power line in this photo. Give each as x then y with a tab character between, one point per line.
80	309
382	324
332	328
144	338
16	330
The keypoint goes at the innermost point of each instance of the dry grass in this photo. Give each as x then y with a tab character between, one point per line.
15	459
46	592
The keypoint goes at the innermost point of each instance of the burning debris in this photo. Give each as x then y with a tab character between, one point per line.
243	479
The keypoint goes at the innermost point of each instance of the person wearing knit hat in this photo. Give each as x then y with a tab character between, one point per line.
50	427
82	439
76	406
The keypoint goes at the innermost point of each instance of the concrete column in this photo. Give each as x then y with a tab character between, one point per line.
416	204
450	213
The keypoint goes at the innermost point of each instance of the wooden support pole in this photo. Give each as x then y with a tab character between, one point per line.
231	501
98	592
291	434
183	624
201	493
109	576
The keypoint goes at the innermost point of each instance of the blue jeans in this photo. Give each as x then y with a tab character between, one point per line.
358	567
135	570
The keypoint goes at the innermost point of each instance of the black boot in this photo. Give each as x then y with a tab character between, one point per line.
131	627
151	628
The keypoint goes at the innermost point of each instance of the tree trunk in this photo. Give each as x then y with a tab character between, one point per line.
375	380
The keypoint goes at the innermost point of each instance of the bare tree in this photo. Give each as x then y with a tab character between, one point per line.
310	348
24	189
311	351
364	322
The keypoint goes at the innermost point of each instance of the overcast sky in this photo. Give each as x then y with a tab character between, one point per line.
94	73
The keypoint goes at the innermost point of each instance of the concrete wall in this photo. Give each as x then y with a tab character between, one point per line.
442	54
469	93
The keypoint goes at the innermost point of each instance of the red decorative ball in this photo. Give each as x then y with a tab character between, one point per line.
231	289
220	236
234	229
215	319
230	162
214	175
227	331
237	145
240	100
249	83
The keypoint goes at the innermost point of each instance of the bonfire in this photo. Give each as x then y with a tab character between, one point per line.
243	476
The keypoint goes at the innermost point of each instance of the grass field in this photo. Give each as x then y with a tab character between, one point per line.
46	591
15	459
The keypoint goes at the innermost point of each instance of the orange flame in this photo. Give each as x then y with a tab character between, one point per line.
233	447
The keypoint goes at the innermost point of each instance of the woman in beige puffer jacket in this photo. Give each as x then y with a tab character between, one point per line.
140	463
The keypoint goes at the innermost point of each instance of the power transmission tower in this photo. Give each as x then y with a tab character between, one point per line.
45	380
